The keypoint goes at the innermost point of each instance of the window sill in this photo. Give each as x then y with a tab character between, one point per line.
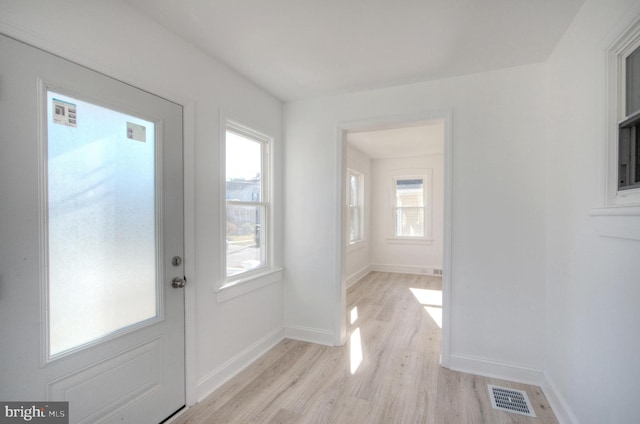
248	284
616	211
629	198
621	222
410	240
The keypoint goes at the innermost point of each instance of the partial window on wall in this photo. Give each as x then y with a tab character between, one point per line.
247	200
355	200
628	137
623	167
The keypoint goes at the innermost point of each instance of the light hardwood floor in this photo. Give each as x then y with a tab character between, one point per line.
398	379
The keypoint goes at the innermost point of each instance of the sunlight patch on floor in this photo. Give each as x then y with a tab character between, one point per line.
356	350
436	314
432	302
428	297
354	314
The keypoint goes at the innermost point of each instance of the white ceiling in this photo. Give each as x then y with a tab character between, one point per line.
304	48
417	140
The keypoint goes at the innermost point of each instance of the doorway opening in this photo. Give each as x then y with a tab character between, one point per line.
396	209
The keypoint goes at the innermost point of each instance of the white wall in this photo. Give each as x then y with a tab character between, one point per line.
358	262
388	254
593	281
584	335
115	39
497	312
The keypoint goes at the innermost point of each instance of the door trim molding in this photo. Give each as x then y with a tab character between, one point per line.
190	304
340	323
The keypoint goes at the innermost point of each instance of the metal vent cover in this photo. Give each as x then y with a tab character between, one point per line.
510	400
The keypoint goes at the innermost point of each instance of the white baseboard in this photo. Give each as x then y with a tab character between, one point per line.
357	276
502	371
311	335
210	382
560	407
405	269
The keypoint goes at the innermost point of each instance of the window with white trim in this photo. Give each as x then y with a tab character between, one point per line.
410	207
628	137
623	178
355	201
247	200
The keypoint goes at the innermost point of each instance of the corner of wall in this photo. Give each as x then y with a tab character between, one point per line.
357	276
216	378
310	335
560	406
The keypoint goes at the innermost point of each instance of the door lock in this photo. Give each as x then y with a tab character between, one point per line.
178	283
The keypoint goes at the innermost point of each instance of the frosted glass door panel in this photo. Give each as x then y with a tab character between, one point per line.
102	245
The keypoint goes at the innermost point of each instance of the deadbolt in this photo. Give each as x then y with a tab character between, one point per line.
178	283
176	261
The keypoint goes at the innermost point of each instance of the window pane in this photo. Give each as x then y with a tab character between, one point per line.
628	157
243	168
633	83
410	192
410	222
354	185
354	224
636	147
244	238
101	221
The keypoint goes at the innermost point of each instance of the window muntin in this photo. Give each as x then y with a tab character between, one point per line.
355	200
409	198
246	197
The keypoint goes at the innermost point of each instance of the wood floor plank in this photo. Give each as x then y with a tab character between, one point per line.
398	379
285	417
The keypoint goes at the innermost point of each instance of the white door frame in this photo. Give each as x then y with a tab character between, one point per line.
51	45
340	313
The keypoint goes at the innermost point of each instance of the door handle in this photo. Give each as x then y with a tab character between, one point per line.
178	283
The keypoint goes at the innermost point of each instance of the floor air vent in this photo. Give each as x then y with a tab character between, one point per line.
510	400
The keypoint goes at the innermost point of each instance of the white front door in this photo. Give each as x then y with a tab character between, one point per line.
91	241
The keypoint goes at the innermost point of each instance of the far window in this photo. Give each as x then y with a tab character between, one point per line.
355	201
247	201
409	207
